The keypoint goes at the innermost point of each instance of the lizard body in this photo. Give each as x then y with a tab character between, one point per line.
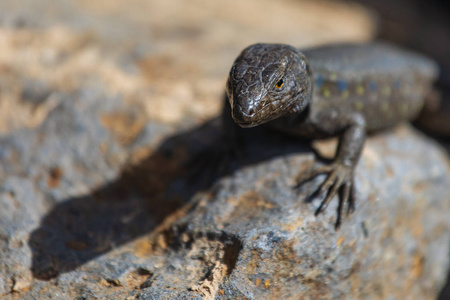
340	90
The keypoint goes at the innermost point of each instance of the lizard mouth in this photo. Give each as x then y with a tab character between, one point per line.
263	115
247	124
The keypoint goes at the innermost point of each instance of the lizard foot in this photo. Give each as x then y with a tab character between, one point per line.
339	180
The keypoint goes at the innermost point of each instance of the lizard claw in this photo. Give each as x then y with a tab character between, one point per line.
339	180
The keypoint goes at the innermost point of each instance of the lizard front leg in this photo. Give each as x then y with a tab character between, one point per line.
340	171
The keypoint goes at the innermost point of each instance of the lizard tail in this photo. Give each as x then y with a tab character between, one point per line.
435	117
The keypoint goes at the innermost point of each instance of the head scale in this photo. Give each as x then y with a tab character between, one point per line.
268	81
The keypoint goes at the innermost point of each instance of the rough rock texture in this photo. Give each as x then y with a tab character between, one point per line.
103	106
249	235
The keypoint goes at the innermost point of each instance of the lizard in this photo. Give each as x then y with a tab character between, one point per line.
341	90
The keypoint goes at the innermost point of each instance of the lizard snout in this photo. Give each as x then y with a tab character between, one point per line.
244	115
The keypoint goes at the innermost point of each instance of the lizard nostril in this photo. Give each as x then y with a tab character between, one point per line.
251	111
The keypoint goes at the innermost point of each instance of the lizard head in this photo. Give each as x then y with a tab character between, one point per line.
268	81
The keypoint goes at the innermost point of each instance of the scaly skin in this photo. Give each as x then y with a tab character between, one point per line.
340	90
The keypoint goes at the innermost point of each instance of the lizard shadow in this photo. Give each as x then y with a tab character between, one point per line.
80	229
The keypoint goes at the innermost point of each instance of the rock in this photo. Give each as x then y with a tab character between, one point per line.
394	245
249	235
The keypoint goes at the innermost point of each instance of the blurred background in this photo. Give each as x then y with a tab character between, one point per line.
146	51
167	61
169	57
166	55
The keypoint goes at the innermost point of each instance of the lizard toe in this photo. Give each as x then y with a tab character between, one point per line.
339	182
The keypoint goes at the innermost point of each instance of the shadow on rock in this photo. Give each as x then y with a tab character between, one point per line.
80	229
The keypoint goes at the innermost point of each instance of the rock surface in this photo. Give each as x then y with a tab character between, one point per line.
97	196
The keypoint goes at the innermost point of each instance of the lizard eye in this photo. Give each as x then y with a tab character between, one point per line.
279	84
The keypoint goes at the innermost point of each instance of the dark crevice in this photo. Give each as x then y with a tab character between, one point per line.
178	238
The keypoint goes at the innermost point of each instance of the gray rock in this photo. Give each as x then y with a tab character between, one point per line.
394	246
77	221
35	92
